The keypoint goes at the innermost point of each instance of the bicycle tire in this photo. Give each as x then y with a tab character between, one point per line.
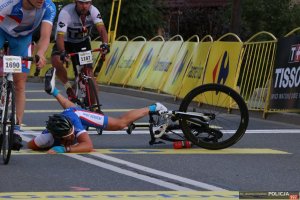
7	128
228	111
92	92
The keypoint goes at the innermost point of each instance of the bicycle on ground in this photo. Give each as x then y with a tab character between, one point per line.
85	88
10	65
211	116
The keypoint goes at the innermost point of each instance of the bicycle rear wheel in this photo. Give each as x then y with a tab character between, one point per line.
8	122
226	113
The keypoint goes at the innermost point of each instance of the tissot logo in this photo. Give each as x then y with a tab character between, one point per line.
99	16
294	53
61	24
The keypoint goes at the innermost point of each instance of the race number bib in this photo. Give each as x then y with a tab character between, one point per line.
12	64
85	57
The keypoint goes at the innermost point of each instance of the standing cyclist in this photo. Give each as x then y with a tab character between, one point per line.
74	25
18	20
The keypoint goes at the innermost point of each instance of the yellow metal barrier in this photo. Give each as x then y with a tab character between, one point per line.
178	68
158	73
223	61
112	59
256	65
112	29
194	75
145	61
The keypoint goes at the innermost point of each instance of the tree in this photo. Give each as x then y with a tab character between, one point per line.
275	16
137	17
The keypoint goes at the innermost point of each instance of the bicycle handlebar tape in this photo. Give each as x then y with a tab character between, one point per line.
182	144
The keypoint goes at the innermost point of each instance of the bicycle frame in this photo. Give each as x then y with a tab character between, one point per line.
82	78
7	103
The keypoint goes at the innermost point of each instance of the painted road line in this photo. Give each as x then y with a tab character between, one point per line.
144	130
123	195
152	151
161	173
196	150
126	172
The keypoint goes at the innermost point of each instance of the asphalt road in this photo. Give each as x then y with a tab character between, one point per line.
125	166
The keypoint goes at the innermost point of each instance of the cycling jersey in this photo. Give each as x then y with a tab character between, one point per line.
17	25
80	119
71	26
17	21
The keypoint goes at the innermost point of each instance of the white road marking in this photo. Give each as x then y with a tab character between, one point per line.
160	173
146	178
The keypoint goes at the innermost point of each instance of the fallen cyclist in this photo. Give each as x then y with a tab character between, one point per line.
65	132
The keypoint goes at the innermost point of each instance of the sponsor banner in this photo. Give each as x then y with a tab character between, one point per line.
221	69
111	61
193	75
144	63
222	63
158	72
285	87
178	68
125	64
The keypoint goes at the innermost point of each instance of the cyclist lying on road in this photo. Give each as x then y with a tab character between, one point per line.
66	132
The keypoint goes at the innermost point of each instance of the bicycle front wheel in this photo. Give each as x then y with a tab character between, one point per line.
8	122
225	116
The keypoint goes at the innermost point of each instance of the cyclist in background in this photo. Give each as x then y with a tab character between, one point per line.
74	25
66	132
18	20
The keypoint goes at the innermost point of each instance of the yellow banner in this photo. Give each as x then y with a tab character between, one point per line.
144	63
221	68
178	69
111	61
195	68
156	76
222	63
126	62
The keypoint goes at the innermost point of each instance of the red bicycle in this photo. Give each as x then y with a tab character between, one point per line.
85	87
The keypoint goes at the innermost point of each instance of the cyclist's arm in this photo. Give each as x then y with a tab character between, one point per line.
43	42
60	43
102	32
84	144
64	102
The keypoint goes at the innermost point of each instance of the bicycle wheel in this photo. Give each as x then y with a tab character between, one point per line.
8	122
92	100
226	116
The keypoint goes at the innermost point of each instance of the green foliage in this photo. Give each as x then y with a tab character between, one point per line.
275	16
137	17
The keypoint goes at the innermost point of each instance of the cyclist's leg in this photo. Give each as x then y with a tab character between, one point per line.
20	46
123	121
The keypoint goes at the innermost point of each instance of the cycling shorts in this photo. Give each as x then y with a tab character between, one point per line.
74	48
18	46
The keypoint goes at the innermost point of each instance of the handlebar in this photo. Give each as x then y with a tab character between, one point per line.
35	59
93	50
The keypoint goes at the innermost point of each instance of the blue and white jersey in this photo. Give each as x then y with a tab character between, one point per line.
17	21
80	119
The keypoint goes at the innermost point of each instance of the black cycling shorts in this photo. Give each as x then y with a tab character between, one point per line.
73	48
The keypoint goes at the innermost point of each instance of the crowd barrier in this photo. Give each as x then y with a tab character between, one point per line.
175	66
